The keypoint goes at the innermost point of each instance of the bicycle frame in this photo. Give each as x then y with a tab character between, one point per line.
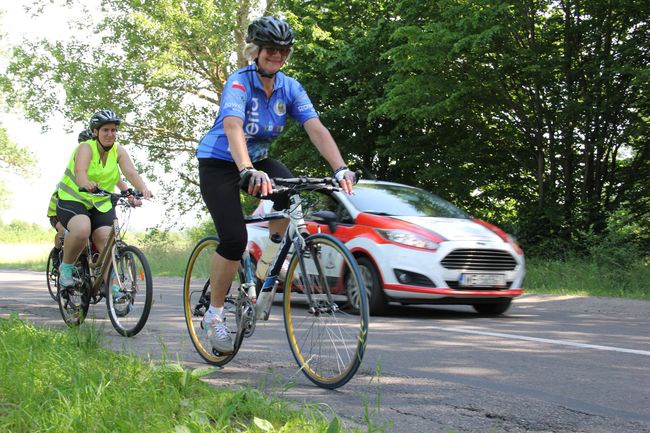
99	268
98	274
293	236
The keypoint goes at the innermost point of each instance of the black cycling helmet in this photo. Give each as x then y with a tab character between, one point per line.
103	117
85	135
270	31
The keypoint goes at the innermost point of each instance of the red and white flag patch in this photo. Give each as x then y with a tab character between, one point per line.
238	85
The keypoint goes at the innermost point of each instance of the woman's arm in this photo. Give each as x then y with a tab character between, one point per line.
130	172
234	129
323	141
81	164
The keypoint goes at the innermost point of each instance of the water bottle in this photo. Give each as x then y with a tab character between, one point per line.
267	256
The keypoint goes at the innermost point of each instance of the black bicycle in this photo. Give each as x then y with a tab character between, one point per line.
120	274
324	299
52	271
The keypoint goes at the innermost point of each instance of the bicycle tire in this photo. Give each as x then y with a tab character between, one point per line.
129	305
327	341
74	301
52	274
196	301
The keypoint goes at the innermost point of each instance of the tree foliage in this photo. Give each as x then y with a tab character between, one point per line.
161	65
532	114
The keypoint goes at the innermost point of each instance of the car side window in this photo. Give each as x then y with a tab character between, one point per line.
343	215
313	202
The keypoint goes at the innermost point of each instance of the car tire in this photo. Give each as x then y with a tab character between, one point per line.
493	309
378	304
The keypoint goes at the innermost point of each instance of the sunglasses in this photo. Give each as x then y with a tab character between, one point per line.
284	51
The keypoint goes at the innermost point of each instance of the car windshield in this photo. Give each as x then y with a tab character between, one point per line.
401	200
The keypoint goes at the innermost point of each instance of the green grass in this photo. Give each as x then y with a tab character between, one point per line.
53	381
168	262
588	277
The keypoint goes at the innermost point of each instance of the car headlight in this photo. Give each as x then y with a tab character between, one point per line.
408	238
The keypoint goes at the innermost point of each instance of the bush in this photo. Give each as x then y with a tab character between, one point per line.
20	231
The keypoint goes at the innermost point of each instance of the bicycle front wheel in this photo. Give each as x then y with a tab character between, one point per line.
52	273
326	331
129	291
196	301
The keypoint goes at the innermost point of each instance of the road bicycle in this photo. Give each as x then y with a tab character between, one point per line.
324	299
128	290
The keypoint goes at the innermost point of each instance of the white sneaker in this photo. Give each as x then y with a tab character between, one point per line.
218	334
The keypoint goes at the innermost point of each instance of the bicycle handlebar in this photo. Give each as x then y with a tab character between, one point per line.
305	183
115	198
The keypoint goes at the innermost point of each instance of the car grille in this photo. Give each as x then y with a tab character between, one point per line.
479	260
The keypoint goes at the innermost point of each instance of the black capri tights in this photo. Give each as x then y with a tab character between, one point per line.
219	181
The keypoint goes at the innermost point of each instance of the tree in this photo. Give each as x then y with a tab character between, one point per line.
161	65
337	59
12	157
538	107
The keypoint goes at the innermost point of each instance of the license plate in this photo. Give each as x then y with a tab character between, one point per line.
484	280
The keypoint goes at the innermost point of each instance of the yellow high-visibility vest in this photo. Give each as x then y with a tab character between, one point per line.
51	209
106	175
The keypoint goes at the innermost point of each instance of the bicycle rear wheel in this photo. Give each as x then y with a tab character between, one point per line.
52	273
326	332
129	291
74	301
196	301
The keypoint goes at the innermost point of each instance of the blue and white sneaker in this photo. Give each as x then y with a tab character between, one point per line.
65	276
121	302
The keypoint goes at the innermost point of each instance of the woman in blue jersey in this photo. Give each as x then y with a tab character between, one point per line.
255	103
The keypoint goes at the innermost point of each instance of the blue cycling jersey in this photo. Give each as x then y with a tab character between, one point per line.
243	96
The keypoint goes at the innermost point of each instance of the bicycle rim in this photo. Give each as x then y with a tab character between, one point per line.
326	334
51	274
129	291
74	301
196	301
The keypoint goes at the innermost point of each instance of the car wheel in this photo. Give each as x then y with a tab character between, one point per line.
493	309
374	290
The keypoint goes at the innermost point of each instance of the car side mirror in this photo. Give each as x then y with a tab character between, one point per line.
325	217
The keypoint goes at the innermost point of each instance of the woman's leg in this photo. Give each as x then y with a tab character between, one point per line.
219	181
76	239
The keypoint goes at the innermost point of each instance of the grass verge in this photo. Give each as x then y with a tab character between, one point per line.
66	381
587	277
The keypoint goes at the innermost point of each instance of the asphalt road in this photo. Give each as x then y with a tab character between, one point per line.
552	364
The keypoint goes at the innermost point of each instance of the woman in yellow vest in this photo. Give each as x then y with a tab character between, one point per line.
84	135
94	163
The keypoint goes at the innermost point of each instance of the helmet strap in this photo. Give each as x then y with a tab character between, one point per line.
106	148
262	72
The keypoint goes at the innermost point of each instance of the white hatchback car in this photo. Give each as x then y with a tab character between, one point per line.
414	247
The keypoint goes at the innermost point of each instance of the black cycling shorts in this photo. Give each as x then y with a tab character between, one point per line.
66	209
54	221
219	181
